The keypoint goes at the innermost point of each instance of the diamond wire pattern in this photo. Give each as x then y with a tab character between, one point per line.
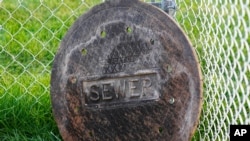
218	29
222	44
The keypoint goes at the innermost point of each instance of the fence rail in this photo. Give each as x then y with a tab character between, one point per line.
30	33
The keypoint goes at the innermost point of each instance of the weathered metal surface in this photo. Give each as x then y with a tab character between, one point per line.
126	71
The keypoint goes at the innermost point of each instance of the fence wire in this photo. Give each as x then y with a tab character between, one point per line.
31	30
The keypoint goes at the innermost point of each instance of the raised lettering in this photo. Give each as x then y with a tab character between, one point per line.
146	84
106	90
94	94
133	88
120	89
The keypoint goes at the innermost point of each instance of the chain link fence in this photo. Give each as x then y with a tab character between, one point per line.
31	30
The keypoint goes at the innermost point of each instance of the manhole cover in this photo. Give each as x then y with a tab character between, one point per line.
126	71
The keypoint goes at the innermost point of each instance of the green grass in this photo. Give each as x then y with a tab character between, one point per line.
30	34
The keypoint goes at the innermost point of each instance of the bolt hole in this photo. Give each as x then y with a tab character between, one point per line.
171	101
76	110
73	80
129	29
91	134
169	69
152	42
160	129
103	34
84	52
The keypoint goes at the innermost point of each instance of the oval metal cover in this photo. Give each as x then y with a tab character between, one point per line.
126	71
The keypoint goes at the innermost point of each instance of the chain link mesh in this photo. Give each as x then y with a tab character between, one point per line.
30	33
220	32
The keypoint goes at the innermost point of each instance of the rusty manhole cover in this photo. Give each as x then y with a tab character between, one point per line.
125	71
